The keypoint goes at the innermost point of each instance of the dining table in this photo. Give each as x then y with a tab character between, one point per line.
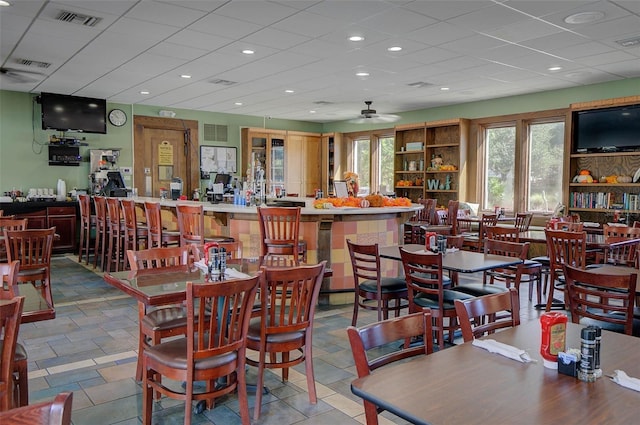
468	385
35	307
460	261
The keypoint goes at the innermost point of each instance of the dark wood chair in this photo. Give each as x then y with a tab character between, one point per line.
279	231
423	275
136	234
523	221
56	412
158	236
158	322
116	233
9	224
452	216
9	279
486	314
191	226
102	231
10	313
415	234
476	243
372	290
603	300
32	247
87	224
214	348
288	298
563	247
379	336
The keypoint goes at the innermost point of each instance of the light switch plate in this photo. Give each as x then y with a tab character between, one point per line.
126	170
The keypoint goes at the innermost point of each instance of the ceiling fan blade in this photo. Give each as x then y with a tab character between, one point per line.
20	76
375	119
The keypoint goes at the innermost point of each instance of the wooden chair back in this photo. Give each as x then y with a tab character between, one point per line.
636	223
56	412
565	247
9	279
620	251
501	233
31	247
606	299
566	226
159	257
523	221
428	212
12	224
456	241
423	273
84	204
628	232
279	230
484	315
10	314
154	224
191	223
114	214
452	215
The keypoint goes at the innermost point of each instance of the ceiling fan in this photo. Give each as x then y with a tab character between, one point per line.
20	76
369	115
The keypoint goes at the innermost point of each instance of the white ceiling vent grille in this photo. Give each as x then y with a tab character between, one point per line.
36	64
322	103
215	133
634	41
223	82
77	18
419	84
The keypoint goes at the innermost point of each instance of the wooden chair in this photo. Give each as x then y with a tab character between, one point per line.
288	298
452	215
32	247
87	224
636	224
382	334
10	313
158	322
486	314
563	247
56	412
503	233
523	221
603	300
476	244
370	286
279	231
136	234
158	236
115	235
215	346
100	244
9	224
191	225
415	234
423	274
9	279
456	242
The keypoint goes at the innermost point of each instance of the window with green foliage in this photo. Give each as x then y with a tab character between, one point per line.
546	147
500	169
372	158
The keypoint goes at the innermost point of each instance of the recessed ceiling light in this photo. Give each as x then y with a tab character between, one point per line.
554	68
238	103
185	76
144	92
248	52
289	91
312	112
4	3
394	49
444	88
356	38
362	74
584	17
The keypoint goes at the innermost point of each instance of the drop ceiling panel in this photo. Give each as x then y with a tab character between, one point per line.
224	26
440	33
444	10
308	24
166	14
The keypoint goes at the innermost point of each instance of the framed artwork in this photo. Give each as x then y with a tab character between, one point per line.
217	159
340	189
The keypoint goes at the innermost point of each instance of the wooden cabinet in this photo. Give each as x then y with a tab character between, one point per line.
430	160
35	219
64	219
267	148
304	168
332	168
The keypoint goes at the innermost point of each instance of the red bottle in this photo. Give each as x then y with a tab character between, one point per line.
554	327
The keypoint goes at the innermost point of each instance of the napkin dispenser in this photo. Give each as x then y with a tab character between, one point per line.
568	363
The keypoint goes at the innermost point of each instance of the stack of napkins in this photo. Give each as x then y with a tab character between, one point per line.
493	346
621	378
201	265
231	273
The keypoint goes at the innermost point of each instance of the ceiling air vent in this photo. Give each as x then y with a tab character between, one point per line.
29	62
77	18
419	84
215	133
629	41
223	82
322	103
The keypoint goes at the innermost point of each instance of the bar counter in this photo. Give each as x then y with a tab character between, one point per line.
325	232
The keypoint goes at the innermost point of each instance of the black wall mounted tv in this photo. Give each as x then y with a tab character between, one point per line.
73	113
614	129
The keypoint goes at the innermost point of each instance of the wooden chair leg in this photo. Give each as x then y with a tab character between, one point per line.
308	369
370	413
259	385
23	382
242	394
147	398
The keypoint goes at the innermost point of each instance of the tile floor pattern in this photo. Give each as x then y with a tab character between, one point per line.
90	349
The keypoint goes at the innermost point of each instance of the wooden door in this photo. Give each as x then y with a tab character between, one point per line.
165	148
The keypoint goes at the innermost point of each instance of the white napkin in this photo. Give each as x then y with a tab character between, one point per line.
506	350
235	274
621	378
201	265
454	249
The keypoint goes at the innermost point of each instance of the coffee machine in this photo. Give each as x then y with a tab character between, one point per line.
101	163
176	188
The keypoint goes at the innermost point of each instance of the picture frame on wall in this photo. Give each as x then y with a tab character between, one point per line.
217	159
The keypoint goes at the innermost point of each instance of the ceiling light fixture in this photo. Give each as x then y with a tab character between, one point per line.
4	3
185	76
289	91
248	52
356	38
444	88
584	17
238	103
362	74
312	112
394	49
144	92
554	68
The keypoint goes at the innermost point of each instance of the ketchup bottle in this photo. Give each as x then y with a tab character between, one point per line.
554	326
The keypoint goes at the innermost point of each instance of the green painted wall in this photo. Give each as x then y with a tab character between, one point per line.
24	154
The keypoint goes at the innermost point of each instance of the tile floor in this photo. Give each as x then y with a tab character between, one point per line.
90	349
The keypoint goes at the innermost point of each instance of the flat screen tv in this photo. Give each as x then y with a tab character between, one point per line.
614	129
73	113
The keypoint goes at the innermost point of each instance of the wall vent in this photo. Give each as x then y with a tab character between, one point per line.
215	133
37	64
78	18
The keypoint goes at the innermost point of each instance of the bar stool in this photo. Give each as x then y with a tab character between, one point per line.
157	235
279	230
135	234
99	245
116	233
191	225
87	224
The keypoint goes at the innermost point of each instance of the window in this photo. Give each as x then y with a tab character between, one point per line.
387	157
372	158
522	162
362	164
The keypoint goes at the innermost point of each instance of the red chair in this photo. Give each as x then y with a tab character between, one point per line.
158	236
10	312
87	224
